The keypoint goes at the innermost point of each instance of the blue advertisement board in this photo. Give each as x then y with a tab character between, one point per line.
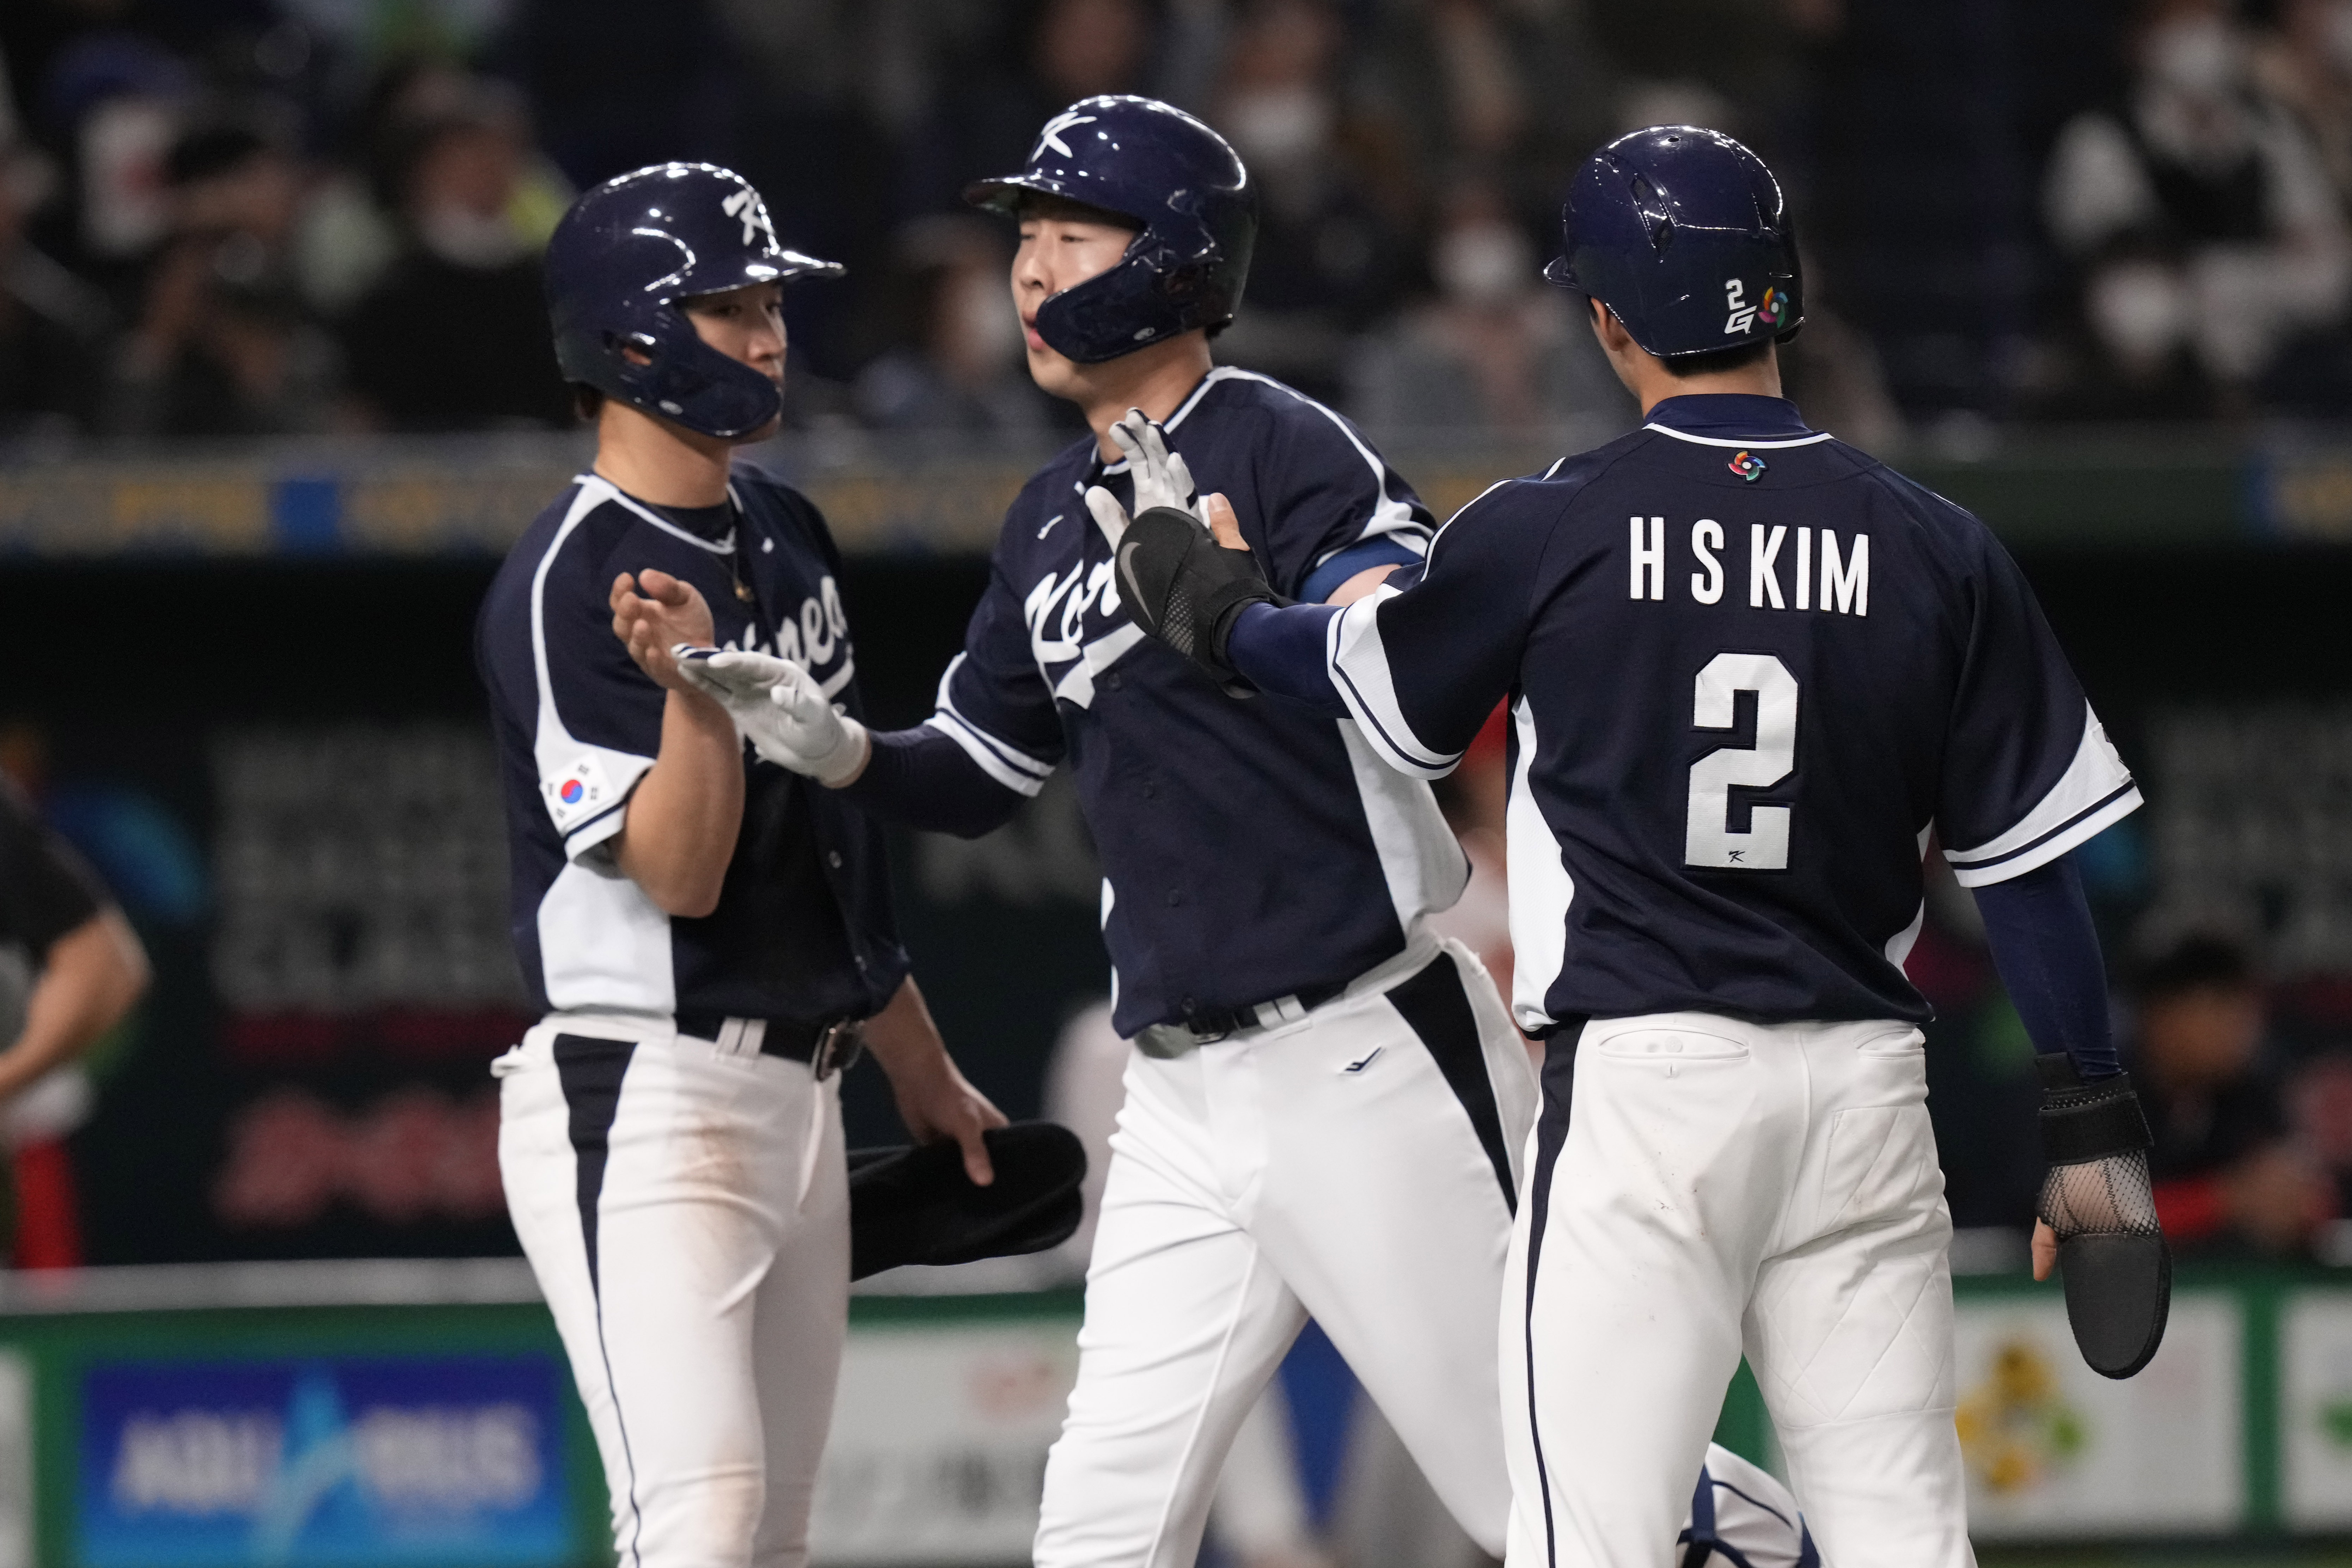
349	1462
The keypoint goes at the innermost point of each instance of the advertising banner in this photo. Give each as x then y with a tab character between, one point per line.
2316	1410
938	1452
2054	1449
355	1463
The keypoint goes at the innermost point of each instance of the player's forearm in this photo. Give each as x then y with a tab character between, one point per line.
92	978
1281	650
902	1037
2047	950
686	813
920	779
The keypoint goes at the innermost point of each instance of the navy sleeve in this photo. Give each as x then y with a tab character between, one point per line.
2029	772
45	889
1282	651
994	701
1327	579
2039	926
919	778
1321	490
1421	667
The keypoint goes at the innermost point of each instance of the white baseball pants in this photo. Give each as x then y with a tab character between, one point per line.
1357	1165
1699	1186
686	1209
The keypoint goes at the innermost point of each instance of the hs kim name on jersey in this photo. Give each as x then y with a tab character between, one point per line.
1802	568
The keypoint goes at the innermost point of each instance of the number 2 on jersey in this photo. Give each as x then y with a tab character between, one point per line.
1708	840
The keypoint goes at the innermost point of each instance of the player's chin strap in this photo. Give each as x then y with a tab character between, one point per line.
1186	590
2099	1202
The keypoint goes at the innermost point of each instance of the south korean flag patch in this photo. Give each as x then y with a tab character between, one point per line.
578	793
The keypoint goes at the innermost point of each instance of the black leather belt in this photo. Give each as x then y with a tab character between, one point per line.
828	1047
1205	1025
1216	1023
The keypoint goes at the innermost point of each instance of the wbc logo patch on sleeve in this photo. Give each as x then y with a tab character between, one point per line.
578	793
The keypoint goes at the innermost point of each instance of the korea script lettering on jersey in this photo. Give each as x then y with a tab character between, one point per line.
1323	858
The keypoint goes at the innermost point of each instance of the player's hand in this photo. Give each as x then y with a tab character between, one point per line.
2045	1249
780	709
652	613
1226	528
936	1101
1160	476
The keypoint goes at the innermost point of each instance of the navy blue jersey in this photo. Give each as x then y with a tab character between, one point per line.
803	927
1250	850
1751	672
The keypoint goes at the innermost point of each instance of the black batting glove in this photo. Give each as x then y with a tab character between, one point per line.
1186	590
2099	1203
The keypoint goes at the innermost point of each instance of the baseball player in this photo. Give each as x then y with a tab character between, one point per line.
1752	673
1325	1101
707	934
70	965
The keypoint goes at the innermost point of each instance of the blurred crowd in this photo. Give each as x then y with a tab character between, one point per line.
256	216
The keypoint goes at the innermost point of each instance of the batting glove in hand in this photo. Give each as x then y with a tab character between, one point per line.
2098	1201
1160	476
781	710
1184	588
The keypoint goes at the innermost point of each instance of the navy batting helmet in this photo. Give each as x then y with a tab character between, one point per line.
624	257
1155	164
1683	234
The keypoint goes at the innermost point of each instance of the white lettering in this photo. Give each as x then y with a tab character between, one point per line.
196	1462
1849	584
835	615
1805	568
1763	554
450	1459
1650	559
814	632
1706	538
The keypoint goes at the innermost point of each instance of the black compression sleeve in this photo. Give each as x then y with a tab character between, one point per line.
2039	928
919	778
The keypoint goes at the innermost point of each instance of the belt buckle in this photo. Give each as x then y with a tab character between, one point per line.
838	1045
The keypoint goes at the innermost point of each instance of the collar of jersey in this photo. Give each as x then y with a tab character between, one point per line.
716	546
1217	374
1732	419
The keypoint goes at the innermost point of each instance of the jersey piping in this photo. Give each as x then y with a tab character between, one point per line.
1717	441
2095	792
1390	515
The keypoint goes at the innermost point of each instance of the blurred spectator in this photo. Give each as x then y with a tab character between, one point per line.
2208	232
453	335
2225	1171
223	344
2322	1098
1498	351
52	325
1335	191
351	233
966	372
115	103
994	94
2306	65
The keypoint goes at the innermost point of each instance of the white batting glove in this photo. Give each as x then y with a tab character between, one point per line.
780	709
1160	477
